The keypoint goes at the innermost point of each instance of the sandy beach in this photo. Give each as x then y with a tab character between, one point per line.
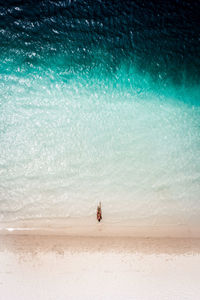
99	150
63	267
90	227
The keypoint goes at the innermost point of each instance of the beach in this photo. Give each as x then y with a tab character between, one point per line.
71	267
100	107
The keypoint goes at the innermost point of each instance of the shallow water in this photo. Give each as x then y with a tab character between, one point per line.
100	102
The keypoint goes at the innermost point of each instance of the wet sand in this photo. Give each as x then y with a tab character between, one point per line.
89	227
63	267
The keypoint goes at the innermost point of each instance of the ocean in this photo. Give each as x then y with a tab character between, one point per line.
100	101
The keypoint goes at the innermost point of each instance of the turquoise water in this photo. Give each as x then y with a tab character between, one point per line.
76	129
67	145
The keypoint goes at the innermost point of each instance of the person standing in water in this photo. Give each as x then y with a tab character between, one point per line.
99	212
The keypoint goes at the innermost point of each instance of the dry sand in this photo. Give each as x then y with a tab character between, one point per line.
46	267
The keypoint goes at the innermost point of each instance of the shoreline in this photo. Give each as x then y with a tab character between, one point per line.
92	228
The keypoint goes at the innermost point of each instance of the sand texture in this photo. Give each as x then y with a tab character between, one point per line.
62	267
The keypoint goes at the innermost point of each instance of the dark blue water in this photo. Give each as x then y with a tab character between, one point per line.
159	38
